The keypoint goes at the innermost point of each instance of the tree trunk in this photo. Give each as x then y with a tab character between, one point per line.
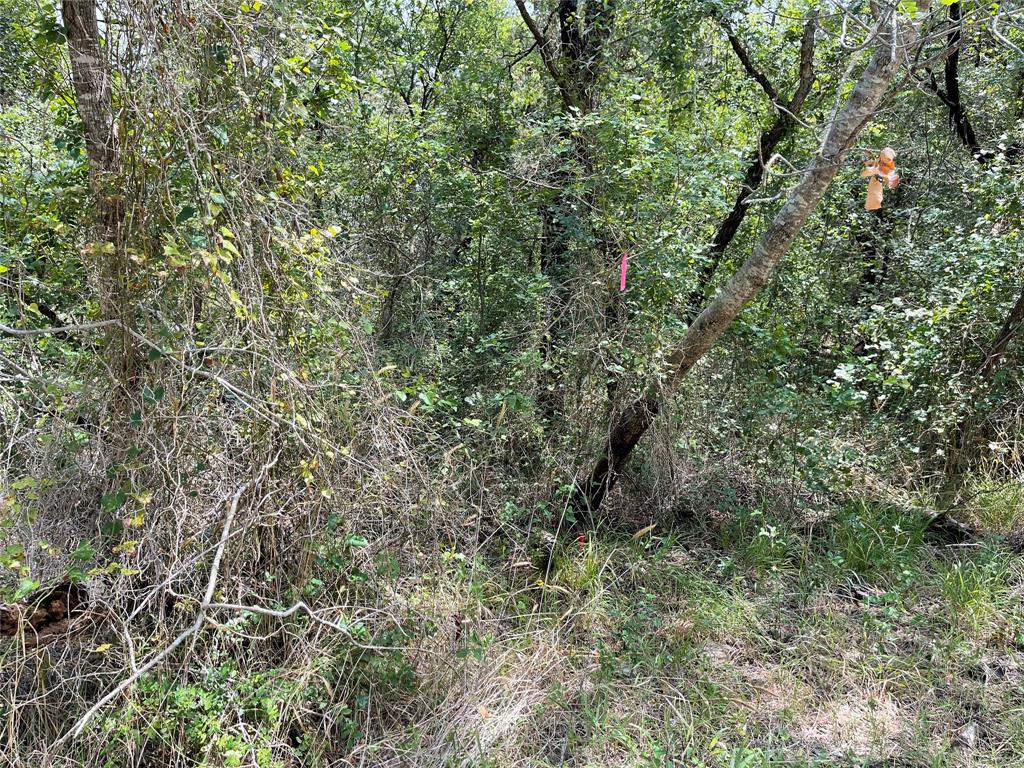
90	78
91	81
950	95
957	113
574	63
1011	325
635	420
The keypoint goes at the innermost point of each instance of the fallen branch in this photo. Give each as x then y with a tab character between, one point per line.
192	629
9	331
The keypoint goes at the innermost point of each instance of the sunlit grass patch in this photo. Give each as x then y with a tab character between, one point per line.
581	567
685	659
996	507
974	586
872	540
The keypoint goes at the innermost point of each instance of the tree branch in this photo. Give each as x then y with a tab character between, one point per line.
9	331
952	98
542	43
1011	325
806	79
755	74
192	629
769	139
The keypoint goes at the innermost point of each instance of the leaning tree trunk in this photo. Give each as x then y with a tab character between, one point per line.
786	120
711	323
90	77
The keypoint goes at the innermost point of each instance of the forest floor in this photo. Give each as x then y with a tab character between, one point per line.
745	642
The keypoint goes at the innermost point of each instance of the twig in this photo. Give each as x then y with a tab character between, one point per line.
9	331
999	35
192	629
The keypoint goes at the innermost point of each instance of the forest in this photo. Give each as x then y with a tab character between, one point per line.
490	383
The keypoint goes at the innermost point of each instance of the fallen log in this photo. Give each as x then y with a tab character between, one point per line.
46	614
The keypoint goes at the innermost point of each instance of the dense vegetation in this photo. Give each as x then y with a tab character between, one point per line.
465	383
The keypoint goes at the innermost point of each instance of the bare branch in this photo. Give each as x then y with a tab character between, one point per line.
9	331
543	43
192	629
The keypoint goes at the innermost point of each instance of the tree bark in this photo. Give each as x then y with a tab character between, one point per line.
997	351
711	323
90	77
91	80
957	113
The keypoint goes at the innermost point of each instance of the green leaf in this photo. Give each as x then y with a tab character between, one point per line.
220	133
25	587
84	553
185	214
112	528
25	482
113	501
153	396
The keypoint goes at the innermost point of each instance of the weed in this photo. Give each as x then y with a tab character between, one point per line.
875	540
763	542
974	586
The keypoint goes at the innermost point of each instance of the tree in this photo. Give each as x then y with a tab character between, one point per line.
952	97
631	425
91	79
575	62
767	142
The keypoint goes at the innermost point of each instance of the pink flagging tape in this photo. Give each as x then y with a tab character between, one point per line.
622	271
